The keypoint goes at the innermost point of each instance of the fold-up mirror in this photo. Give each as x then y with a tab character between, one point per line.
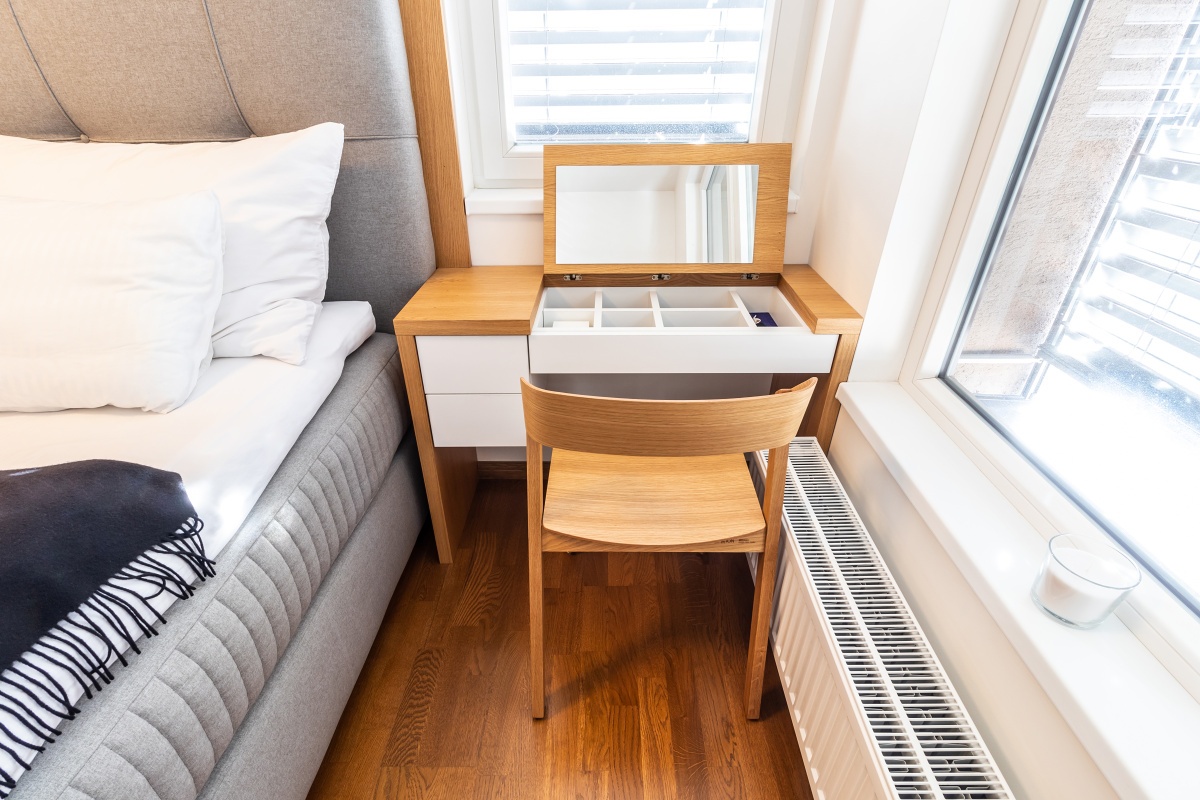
665	213
665	208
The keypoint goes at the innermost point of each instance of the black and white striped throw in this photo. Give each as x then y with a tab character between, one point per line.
85	548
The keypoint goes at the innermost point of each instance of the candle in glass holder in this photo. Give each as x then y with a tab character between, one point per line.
1082	580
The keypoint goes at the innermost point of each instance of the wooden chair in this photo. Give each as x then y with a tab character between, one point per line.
662	476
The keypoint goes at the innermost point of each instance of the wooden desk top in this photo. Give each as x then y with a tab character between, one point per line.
821	308
473	301
499	301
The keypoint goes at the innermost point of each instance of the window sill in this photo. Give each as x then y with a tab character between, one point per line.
504	201
1140	726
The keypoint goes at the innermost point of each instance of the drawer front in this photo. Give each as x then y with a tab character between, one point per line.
476	420
473	364
598	352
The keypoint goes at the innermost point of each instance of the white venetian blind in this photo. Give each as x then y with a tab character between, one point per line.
631	70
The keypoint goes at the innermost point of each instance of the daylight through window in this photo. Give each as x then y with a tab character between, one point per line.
1083	342
631	70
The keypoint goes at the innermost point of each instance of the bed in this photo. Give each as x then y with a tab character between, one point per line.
316	516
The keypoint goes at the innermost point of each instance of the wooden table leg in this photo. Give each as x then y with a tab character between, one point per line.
823	410
450	472
825	405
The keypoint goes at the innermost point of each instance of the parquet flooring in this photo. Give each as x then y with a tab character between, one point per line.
645	661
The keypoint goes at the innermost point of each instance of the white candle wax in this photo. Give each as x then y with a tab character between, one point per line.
1078	586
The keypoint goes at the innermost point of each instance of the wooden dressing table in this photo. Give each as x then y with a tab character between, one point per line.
501	303
687	322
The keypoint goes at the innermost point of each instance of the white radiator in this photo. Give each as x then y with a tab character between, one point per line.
874	712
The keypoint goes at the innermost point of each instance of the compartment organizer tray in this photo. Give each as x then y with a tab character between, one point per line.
691	329
675	307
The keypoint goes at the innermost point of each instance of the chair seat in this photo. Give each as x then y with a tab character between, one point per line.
602	502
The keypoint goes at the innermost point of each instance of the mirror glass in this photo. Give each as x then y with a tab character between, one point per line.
655	214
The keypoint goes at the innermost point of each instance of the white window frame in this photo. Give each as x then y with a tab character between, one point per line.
491	162
1161	623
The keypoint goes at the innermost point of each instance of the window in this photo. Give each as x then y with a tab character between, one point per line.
1081	343
531	72
630	70
729	202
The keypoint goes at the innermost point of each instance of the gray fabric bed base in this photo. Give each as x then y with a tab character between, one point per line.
278	749
240	693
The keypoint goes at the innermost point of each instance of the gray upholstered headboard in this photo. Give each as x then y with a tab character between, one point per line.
213	70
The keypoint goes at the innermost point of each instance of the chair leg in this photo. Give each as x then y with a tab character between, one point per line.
764	582
760	632
537	685
533	477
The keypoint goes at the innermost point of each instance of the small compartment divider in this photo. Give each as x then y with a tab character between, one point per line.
657	306
737	298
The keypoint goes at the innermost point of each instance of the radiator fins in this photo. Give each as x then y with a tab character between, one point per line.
899	729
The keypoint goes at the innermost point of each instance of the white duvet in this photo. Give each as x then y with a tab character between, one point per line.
226	441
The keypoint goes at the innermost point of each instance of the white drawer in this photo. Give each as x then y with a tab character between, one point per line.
476	420
473	364
600	352
700	329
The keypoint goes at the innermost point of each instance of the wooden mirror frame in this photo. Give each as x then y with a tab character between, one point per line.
770	213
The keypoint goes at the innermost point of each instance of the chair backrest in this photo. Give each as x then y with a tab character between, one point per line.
619	427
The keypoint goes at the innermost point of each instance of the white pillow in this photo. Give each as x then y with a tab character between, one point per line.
274	191
108	303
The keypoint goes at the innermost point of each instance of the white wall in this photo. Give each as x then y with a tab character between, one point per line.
914	93
893	53
498	239
968	55
829	58
615	227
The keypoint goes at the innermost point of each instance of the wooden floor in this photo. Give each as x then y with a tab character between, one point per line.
646	658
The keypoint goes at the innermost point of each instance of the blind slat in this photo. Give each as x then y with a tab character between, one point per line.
625	5
633	70
601	70
553	37
673	99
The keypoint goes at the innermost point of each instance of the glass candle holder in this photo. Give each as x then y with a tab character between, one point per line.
1082	580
